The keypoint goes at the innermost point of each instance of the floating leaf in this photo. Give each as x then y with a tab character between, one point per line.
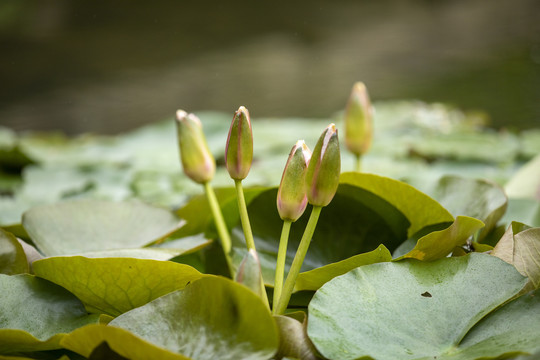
479	199
421	210
438	244
520	246
12	256
409	309
526	182
35	314
115	285
486	146
86	339
212	318
523	210
75	227
314	279
512	329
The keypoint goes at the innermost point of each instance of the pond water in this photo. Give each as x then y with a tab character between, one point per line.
107	67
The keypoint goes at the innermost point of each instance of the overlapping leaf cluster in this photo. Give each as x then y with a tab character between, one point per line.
133	280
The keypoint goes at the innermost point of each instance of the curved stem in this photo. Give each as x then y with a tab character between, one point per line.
280	263
244	218
221	227
298	260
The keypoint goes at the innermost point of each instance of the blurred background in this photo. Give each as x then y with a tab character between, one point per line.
109	66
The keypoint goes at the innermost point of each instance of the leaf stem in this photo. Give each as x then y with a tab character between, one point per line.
221	227
280	263
244	218
298	260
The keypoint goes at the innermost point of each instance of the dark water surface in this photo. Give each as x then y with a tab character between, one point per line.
108	66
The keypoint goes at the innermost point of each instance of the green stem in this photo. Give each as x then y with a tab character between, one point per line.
298	260
280	263
358	163
250	243
244	218
223	233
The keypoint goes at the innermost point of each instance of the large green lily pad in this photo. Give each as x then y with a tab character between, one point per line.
75	227
115	285
35	314
212	318
420	209
411	309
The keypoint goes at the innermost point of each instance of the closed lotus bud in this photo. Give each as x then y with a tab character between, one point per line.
322	177
239	149
358	120
291	197
197	160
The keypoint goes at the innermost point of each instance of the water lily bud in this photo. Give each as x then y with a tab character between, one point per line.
249	273
197	160
322	177
291	197
358	120
239	149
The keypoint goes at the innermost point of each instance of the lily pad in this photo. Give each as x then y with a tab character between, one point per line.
520	246
409	309
438	244
115	285
12	256
512	329
314	279
75	227
86	339
35	314
486	146
523	210
526	182
476	198
212	318
420	209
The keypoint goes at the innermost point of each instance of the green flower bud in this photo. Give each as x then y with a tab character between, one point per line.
249	273
291	197
322	177
239	148
358	120
197	160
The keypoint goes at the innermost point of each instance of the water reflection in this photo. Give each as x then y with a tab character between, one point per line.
94	66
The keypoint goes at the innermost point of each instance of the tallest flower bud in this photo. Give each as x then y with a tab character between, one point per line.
358	120
322	177
239	149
